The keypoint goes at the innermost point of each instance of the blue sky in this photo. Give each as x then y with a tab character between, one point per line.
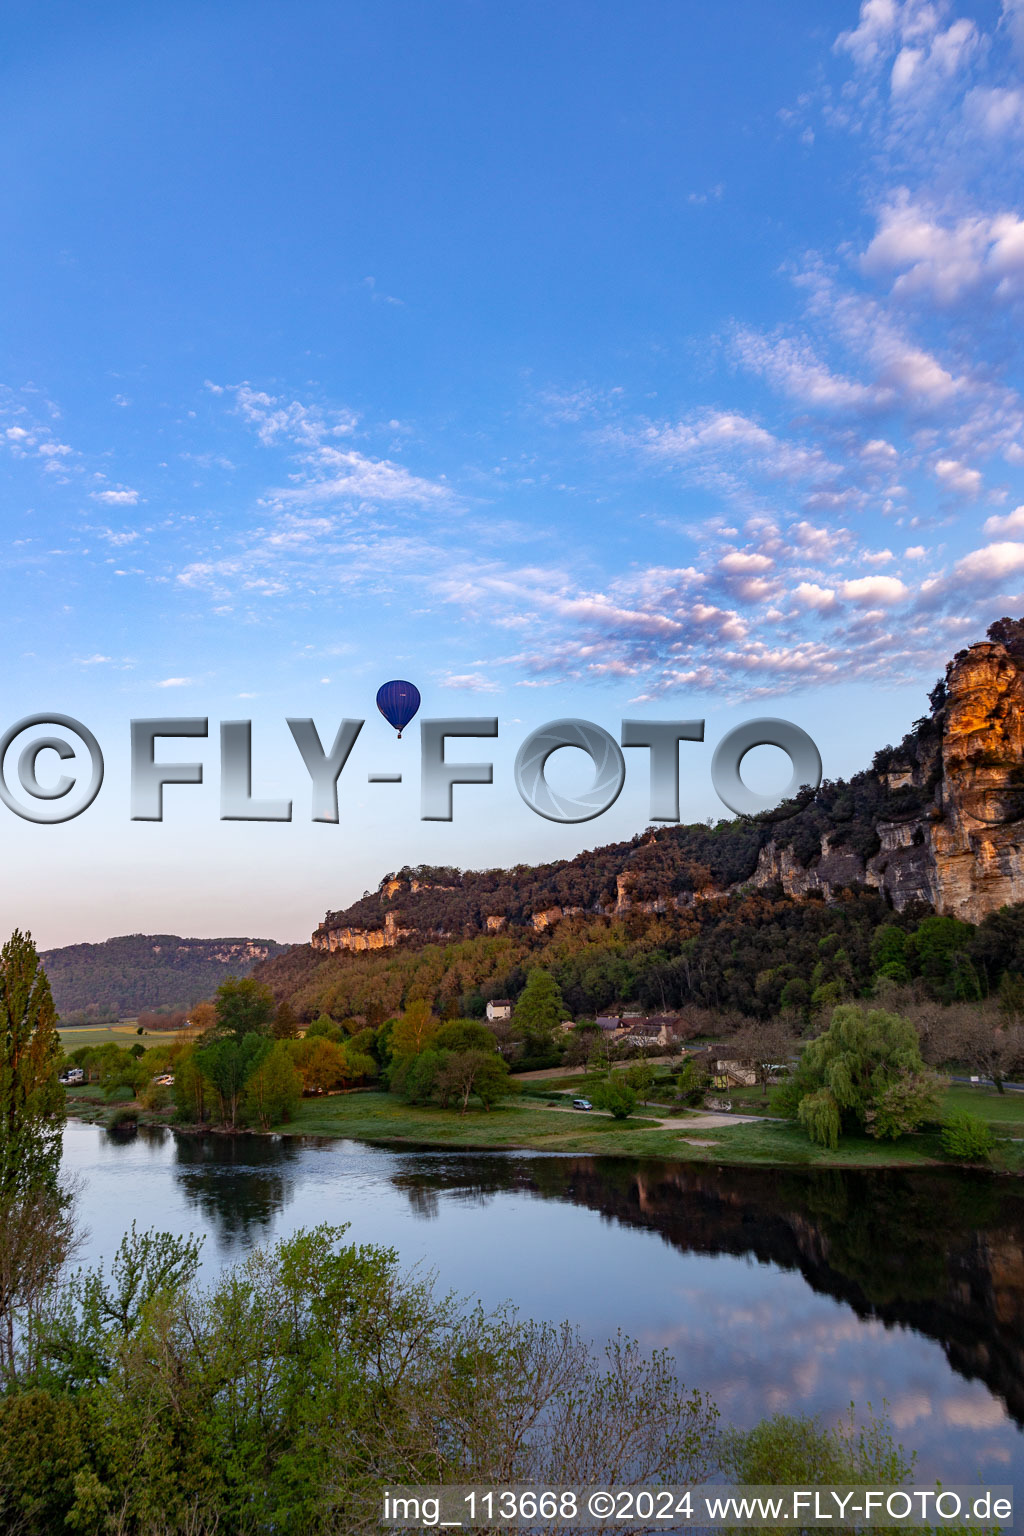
594	359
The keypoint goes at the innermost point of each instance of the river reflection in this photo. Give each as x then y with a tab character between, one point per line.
776	1291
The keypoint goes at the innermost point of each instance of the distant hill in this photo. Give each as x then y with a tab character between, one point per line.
121	977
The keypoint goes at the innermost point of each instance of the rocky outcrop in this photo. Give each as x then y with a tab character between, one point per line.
977	840
964	854
331	938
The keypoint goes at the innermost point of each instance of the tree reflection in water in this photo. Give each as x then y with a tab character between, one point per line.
239	1183
939	1252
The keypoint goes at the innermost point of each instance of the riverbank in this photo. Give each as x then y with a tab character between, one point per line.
541	1127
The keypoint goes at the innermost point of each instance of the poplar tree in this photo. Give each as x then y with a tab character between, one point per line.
32	1110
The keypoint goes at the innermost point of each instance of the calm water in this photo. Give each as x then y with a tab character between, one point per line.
775	1291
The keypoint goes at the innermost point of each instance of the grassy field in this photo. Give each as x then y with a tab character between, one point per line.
1003	1111
379	1117
535	1126
75	1035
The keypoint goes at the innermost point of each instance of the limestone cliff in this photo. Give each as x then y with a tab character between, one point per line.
963	851
937	820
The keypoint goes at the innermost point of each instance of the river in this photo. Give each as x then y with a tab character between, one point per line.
776	1291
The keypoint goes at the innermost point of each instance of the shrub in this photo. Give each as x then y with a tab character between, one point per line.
966	1136
124	1119
616	1097
786	1449
155	1096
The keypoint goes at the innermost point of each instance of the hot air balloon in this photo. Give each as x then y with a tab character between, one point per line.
398	702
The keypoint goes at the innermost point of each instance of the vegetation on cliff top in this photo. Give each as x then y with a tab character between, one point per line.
755	953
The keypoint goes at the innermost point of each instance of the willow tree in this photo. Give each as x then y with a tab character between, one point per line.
31	1098
865	1074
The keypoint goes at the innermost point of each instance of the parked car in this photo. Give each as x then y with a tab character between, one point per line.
165	1079
582	1104
71	1076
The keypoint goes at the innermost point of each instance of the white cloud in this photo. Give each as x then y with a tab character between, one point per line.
723	438
353	476
879	449
925	57
809	595
118	537
125	497
470	682
957	477
996	111
175	682
273	418
944	260
874	589
937	60
991	563
329	472
1010	522
744	562
874	34
792	367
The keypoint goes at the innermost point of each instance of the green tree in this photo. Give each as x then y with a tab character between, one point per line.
32	1108
463	1073
465	1035
539	1011
888	952
321	1063
415	1030
228	1063
640	1077
413	1078
939	951
124	1071
1011	996
617	1097
244	1006
273	1091
691	1082
865	1073
285	1025
581	1045
191	1090
285	1394
325	1028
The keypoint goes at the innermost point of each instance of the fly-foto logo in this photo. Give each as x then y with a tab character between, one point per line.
43	792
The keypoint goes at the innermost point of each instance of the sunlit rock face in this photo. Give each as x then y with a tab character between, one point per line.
977	840
965	853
